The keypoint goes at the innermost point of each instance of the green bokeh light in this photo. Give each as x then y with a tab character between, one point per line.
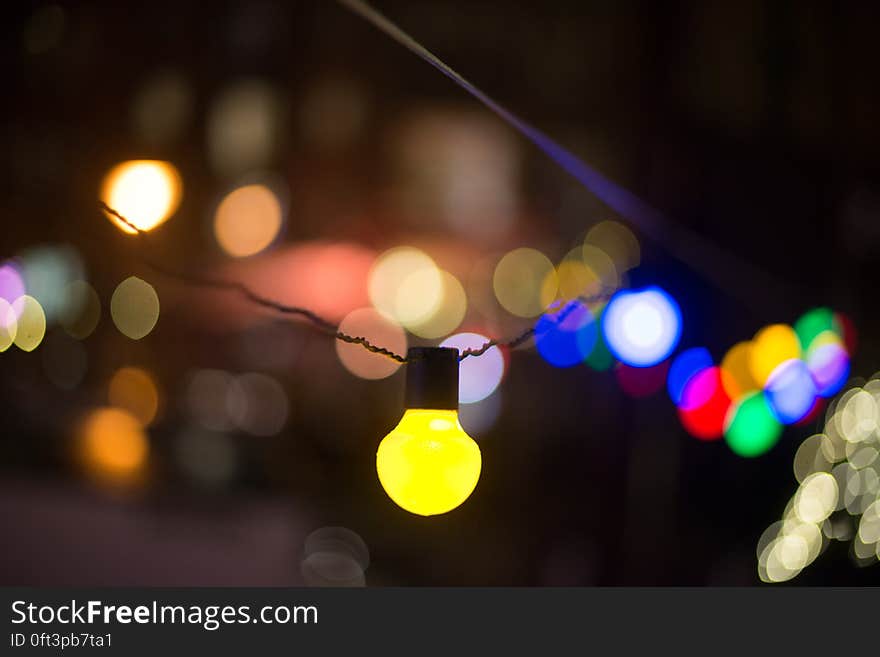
600	358
751	427
812	323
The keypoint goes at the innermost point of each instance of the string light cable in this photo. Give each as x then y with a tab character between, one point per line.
321	323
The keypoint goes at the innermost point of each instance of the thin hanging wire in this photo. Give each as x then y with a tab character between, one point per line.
323	324
726	270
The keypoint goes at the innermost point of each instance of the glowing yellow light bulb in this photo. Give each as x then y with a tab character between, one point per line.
428	465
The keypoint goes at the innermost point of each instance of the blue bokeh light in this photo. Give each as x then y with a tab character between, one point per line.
566	337
686	365
642	327
829	366
791	391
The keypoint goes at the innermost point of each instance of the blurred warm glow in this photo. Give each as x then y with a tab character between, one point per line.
146	192
575	278
162	108
816	498
448	315
247	220
134	390
83	312
134	307
772	346
370	324
617	242
525	282
26	314
257	404
736	375
113	445
244	128
405	285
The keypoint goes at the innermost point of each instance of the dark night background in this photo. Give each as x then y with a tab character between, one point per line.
752	123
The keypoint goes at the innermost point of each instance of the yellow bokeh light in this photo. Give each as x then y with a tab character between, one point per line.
736	373
247	220
525	282
146	192
428	465
134	307
772	346
449	314
26	314
405	285
8	325
134	390
617	241
113	445
576	279
370	324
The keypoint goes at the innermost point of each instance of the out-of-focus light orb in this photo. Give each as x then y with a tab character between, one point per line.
816	498
602	266
791	391
829	367
244	128
525	282
134	390
247	220
64	360
134	307
566	337
146	192
335	557
207	392
257	404
641	382
449	314
405	285
46	271
27	315
772	346
642	328
83	312
751	429
869	525
618	242
8	325
704	404
600	358
370	324
814	322
576	278
477	377
857	416
810	458
162	108
736	373
114	447
685	366
11	282
208	458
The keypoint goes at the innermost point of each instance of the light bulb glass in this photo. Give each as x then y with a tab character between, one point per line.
428	465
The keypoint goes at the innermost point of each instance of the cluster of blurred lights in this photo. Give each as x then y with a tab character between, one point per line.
252	402
838	497
780	377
